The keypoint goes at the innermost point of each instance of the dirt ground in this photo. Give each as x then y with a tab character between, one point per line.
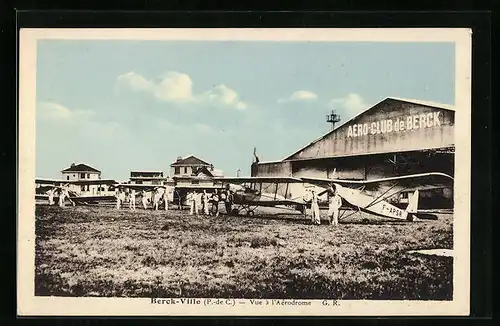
99	251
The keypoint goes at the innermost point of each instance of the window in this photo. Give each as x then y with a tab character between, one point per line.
88	175
83	188
177	170
67	177
185	170
139	182
82	175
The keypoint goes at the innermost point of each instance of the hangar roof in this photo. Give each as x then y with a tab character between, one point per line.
419	102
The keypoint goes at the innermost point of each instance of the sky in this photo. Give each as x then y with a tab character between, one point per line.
123	106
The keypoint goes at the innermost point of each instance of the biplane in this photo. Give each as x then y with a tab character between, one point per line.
382	196
75	189
252	192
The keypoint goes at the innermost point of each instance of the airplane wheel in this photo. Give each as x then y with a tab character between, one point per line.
250	213
410	218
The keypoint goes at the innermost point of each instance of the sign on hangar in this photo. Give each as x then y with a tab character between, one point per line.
391	125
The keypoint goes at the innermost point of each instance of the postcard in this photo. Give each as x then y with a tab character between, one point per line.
244	172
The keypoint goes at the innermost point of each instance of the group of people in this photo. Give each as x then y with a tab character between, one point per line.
334	203
62	193
209	203
160	195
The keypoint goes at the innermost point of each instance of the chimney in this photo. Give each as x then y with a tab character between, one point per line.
211	167
179	158
72	165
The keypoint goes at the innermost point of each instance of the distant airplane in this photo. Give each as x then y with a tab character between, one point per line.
253	192
58	186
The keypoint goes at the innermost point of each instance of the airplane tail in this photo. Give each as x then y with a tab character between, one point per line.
413	203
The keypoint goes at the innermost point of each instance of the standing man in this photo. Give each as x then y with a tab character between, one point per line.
190	200
179	198
156	198
334	203
144	199
131	203
117	195
205	203
51	196
229	201
62	197
215	203
315	209
66	194
165	198
197	202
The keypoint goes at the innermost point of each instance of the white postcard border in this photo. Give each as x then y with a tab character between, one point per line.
29	304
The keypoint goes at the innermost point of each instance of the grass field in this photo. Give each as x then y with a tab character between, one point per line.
98	251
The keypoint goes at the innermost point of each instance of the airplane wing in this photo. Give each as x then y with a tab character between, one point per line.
76	182
93	182
138	186
241	180
422	181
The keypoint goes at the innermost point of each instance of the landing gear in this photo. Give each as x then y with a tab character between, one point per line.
410	218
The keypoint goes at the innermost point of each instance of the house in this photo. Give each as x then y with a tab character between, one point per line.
193	173
80	172
187	166
147	177
83	173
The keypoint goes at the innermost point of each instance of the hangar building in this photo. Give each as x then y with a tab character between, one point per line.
394	137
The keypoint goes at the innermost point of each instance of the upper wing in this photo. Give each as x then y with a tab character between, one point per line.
93	182
422	181
239	180
49	181
138	186
77	182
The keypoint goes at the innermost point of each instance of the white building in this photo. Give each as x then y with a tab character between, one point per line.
80	172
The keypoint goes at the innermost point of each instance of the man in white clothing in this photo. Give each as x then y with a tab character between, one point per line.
197	202
315	209
51	193
144	199
334	203
205	203
165	198
190	200
157	195
62	197
131	203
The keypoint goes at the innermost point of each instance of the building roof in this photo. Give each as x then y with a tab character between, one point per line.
419	102
210	172
189	160
80	168
425	103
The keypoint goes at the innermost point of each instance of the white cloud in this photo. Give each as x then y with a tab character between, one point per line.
56	112
301	95
353	103
223	95
177	87
133	81
78	121
173	86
